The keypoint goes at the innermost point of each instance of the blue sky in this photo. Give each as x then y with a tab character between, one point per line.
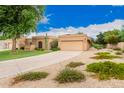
80	18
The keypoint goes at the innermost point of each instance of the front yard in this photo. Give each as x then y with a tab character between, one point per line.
74	73
7	55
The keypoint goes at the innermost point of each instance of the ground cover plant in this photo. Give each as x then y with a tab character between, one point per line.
107	70
30	76
105	55
7	55
117	49
118	53
122	51
69	75
74	64
55	49
97	46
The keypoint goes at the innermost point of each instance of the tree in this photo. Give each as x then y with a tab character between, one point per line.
54	44
80	33
121	34
100	39
112	37
16	21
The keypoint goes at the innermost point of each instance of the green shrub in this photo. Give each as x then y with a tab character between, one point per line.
55	49
117	49
69	75
54	44
94	67
118	53
105	55
98	46
39	49
74	64
30	76
118	71
122	51
102	53
106	70
22	48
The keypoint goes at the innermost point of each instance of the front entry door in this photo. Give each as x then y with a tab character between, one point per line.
39	44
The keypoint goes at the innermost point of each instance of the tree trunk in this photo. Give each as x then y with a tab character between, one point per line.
14	45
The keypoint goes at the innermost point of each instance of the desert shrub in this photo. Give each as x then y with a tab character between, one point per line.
117	49
118	53
55	49
122	51
69	75
98	46
94	67
106	70
30	76
74	64
105	55
102	53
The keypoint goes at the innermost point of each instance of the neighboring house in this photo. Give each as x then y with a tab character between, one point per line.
74	42
5	44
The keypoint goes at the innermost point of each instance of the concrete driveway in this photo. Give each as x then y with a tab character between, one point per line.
16	66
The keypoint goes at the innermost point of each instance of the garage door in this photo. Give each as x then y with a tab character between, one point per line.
71	46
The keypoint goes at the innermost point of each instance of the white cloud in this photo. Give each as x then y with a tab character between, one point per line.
91	30
45	19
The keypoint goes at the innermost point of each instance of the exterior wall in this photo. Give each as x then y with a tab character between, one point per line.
111	46
3	45
74	42
21	42
36	39
6	44
119	45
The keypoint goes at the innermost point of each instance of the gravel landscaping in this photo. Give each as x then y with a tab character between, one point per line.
53	70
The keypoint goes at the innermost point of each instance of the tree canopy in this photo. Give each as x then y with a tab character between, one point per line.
112	37
19	20
100	38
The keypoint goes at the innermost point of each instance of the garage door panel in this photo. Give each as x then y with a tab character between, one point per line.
71	46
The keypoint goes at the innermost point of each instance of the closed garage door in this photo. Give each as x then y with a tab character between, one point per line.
71	45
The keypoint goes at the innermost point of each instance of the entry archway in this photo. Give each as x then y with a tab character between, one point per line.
40	44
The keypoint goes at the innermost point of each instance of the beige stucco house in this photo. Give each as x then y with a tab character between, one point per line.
68	42
74	42
40	42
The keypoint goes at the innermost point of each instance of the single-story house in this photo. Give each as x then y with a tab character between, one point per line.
68	42
74	42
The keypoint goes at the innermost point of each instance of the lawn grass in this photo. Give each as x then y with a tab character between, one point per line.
7	55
